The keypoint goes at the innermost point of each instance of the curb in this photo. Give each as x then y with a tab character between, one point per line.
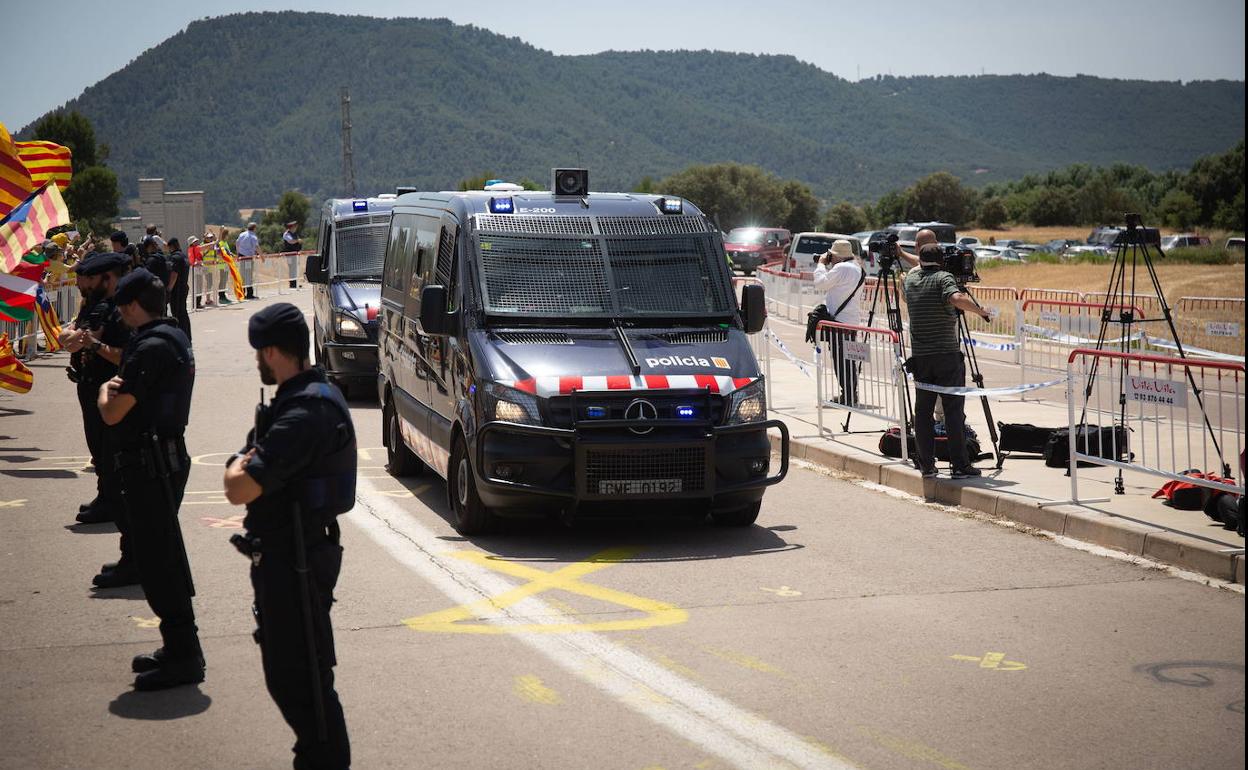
1173	548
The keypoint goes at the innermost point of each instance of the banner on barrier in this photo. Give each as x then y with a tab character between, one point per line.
1148	390
1222	329
856	351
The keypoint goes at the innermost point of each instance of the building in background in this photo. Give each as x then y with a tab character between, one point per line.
178	214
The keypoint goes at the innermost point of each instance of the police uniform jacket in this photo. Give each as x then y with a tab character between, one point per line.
104	321
158	369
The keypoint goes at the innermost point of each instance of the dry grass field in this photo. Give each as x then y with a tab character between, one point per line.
1042	234
1177	280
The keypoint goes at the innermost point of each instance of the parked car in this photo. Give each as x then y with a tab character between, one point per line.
989	253
749	248
806	247
1184	241
1058	245
1100	251
970	241
1026	248
906	231
1105	235
1234	244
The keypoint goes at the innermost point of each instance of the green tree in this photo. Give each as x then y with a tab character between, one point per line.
844	218
646	186
478	183
293	206
940	196
732	194
74	131
890	208
92	199
1215	180
1230	215
804	207
1053	206
992	213
1178	209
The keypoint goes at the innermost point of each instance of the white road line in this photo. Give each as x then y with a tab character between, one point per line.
733	734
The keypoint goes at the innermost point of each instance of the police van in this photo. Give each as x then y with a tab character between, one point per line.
346	288
569	353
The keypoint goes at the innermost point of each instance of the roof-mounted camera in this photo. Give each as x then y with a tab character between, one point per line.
571	182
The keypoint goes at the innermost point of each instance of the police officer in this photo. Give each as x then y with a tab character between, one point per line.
95	339
179	286
296	473
148	404
153	258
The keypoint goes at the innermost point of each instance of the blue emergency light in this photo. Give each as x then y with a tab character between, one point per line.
502	206
686	412
670	205
595	412
359	205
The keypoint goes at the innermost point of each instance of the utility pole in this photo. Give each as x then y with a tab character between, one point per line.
348	164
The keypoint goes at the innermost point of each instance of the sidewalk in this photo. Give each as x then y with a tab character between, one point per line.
1132	522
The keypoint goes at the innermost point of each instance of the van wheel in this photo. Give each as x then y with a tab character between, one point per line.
400	461
738	517
471	515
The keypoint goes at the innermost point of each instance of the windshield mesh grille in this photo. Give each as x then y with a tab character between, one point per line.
658	275
700	337
361	249
535	338
544	276
668	225
506	223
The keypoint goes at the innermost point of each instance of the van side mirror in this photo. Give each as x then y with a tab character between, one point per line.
433	316
753	308
315	270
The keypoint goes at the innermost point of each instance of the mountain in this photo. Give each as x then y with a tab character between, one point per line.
246	106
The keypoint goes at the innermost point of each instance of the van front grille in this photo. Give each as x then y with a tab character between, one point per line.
646	464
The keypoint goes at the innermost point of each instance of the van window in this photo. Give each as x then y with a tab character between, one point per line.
444	273
397	253
359	246
422	255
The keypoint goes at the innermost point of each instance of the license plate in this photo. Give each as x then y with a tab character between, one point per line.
639	487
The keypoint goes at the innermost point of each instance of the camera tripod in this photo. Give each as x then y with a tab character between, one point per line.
977	377
886	286
1132	244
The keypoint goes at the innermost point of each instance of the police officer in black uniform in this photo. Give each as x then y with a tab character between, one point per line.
148	404
179	286
153	258
95	339
296	473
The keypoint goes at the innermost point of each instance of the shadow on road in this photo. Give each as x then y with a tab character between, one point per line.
673	535
176	703
133	592
104	528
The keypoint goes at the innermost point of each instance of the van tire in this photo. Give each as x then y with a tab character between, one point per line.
471	515
738	517
400	461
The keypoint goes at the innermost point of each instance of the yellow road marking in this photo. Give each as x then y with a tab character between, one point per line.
912	749
13	503
745	661
230	522
565	579
993	660
530	688
145	622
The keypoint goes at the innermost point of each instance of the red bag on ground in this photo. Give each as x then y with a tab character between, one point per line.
1186	496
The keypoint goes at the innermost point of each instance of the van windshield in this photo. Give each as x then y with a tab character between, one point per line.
360	249
745	235
557	278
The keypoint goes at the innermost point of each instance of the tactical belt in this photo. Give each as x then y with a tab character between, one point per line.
141	457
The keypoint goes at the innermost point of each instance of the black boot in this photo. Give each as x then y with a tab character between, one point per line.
169	673
150	661
96	514
121	575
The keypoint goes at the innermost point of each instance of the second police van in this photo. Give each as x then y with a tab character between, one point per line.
571	353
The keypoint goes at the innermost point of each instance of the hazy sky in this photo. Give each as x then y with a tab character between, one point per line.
59	49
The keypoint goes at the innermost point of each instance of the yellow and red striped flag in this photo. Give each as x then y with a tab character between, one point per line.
48	320
14	375
15	183
236	278
46	162
28	224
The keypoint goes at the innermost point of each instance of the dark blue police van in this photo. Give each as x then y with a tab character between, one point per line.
346	288
571	353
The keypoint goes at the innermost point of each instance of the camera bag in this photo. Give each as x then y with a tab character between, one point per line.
1109	443
890	445
1023	437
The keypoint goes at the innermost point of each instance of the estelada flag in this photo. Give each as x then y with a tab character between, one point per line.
48	320
236	278
27	225
14	375
15	182
46	162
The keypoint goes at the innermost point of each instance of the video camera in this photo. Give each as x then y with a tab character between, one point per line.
960	261
884	246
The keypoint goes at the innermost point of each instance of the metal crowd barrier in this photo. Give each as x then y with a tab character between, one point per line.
1061	295
1211	324
65	300
285	271
868	358
1050	329
760	343
1167	430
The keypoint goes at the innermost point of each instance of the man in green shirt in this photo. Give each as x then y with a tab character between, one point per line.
934	299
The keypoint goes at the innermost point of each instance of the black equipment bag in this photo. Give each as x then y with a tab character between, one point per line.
820	313
890	446
1023	437
1109	443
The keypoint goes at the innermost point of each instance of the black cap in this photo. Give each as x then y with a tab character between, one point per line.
99	262
280	324
132	285
120	237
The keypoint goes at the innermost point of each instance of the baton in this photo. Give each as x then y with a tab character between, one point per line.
305	598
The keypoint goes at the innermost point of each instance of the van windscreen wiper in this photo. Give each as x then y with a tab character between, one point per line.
628	349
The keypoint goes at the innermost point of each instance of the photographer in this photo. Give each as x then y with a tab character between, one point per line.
841	275
934	300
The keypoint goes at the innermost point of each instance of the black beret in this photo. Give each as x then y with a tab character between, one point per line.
132	285
277	324
119	236
99	262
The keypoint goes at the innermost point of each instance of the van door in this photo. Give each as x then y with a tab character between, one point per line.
322	306
398	359
422	250
443	351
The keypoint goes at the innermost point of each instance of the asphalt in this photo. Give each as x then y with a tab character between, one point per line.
853	626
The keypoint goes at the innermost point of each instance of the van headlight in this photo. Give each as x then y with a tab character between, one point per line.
348	326
748	404
510	405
